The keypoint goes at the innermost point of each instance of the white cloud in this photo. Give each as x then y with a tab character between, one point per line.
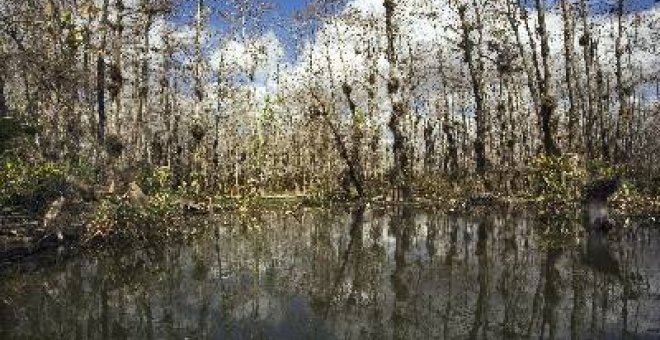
368	7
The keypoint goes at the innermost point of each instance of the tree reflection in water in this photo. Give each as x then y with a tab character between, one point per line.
358	273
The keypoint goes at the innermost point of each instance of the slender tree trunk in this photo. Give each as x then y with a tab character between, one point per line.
513	17
586	42
358	134
216	134
100	78
602	96
199	91
100	96
429	146
3	100
568	57
623	121
399	176
197	161
548	100
352	163
448	125
116	76
476	77
139	137
374	130
449	128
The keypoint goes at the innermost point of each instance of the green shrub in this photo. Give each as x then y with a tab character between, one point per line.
12	131
117	216
155	179
557	178
31	185
601	169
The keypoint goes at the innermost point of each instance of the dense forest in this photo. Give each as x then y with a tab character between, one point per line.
391	99
329	169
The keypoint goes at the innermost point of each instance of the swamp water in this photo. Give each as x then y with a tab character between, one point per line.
352	274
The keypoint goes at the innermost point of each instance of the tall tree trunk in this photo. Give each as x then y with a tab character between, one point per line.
568	57
372	106
476	77
219	107
623	121
399	176
100	96
197	161
513	18
3	99
429	146
116	76
449	128
448	125
139	137
100	76
602	100
199	92
586	42
548	100
358	134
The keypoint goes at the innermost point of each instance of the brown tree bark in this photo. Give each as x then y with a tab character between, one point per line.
512	15
623	121
587	50
3	99
476	76
116	77
139	138
399	176
548	99
567	15
100	78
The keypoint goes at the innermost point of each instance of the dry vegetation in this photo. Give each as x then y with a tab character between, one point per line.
383	100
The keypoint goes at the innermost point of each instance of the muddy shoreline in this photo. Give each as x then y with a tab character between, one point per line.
23	235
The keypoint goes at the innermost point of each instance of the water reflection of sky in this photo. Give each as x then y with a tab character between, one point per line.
320	275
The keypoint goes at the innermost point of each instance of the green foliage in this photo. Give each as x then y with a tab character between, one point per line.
118	217
157	217
359	119
12	133
436	186
83	170
648	186
627	191
252	199
31	185
557	178
155	179
163	205
630	198
601	169
192	189
268	113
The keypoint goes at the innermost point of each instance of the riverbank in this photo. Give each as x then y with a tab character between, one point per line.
48	205
136	218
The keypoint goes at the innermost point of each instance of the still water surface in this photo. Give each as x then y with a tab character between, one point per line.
353	274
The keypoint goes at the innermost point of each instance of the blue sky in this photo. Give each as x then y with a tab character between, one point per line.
603	6
289	6
284	9
280	20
